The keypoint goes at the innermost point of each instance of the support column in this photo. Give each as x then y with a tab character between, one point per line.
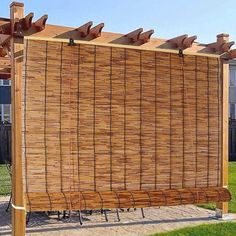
18	202
224	206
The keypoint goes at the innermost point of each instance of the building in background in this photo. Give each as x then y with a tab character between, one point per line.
5	101
232	111
232	90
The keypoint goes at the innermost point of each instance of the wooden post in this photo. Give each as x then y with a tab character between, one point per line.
18	202
223	206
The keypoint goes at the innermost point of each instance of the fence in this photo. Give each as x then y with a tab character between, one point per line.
5	143
5	157
232	140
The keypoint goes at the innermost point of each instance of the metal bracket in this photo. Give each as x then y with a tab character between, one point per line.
71	42
181	53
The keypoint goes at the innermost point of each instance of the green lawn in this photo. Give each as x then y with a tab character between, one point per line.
220	229
232	188
5	183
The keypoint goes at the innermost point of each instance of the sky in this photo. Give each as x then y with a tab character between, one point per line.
169	18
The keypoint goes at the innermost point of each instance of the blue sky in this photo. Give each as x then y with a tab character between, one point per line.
204	18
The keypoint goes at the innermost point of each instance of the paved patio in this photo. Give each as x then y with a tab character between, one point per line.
156	220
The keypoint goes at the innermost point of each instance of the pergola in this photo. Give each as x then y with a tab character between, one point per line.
18	28
26	27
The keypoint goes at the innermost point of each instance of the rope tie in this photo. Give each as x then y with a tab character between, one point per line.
20	208
149	198
100	196
192	195
117	198
85	203
132	198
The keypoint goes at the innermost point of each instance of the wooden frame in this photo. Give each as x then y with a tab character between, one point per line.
223	206
18	200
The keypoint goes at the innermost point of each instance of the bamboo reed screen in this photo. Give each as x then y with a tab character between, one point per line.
106	124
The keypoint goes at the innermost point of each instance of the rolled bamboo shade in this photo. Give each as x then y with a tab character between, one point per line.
106	119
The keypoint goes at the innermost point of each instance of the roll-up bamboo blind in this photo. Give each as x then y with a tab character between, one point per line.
106	119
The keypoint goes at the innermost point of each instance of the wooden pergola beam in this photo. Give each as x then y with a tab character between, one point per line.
182	42
188	42
96	30
5	28
177	42
134	35
222	44
24	26
230	55
39	25
5	73
84	29
26	22
5	62
3	52
145	36
4	39
5	76
88	32
133	38
226	46
138	37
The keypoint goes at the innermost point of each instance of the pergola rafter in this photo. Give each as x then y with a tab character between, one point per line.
23	26
96	30
222	45
3	52
134	35
87	32
145	36
138	37
39	25
84	30
27	21
182	42
230	55
5	68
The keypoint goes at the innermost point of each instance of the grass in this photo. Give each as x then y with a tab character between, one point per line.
5	182
220	229
232	188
